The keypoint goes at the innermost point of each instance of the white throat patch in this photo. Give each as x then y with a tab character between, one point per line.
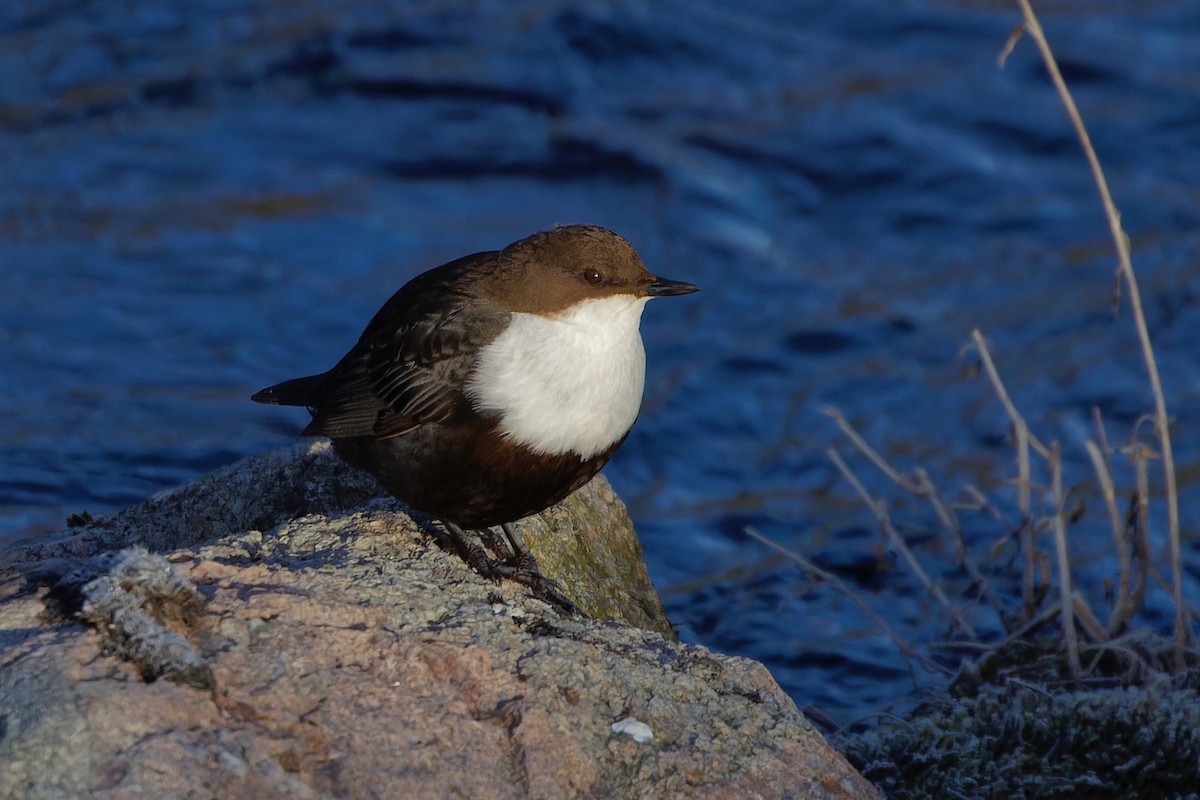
568	383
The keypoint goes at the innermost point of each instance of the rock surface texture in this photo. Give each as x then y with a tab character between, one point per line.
343	654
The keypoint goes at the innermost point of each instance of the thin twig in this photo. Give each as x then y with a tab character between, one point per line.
998	385
1140	519
1028	629
1122	609
1136	666
982	503
872	455
879	509
1064	564
1086	619
921	487
907	649
1183	631
1024	440
950	522
945	514
1101	433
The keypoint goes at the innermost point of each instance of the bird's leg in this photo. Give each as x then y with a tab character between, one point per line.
472	552
523	567
496	544
522	558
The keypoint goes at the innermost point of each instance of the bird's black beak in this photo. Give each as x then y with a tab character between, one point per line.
664	287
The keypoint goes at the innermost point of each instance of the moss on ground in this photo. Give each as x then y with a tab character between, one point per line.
1020	740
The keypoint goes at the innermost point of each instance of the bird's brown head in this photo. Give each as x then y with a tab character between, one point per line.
550	271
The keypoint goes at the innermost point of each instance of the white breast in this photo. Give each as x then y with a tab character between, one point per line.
567	383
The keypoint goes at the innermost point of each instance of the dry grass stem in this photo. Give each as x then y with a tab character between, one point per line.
945	515
872	455
1140	520
993	374
950	522
1101	433
978	647
921	487
968	671
1183	632
1059	524
1028	579
1024	439
1087	619
1122	609
879	509
1046	588
1137	668
905	647
980	502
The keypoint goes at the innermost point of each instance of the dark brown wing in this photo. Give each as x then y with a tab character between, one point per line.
410	364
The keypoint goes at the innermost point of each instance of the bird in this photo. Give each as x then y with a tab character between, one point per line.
488	389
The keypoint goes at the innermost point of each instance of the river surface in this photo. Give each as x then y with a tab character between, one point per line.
203	198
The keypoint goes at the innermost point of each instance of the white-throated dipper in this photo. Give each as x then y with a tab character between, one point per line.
488	389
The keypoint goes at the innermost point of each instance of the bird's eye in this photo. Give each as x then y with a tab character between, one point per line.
593	276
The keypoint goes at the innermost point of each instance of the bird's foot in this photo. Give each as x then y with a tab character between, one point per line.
525	562
520	566
543	588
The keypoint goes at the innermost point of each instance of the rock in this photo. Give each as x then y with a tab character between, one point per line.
340	654
586	543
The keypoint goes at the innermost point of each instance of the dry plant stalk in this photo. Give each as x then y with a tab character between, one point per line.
1128	534
1123	609
1024	440
1031	26
1087	620
879	509
1059	524
920	486
1071	608
1140	515
905	647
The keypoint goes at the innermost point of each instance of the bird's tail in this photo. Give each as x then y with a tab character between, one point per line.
296	392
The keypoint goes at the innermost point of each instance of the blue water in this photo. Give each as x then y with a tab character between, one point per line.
200	199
